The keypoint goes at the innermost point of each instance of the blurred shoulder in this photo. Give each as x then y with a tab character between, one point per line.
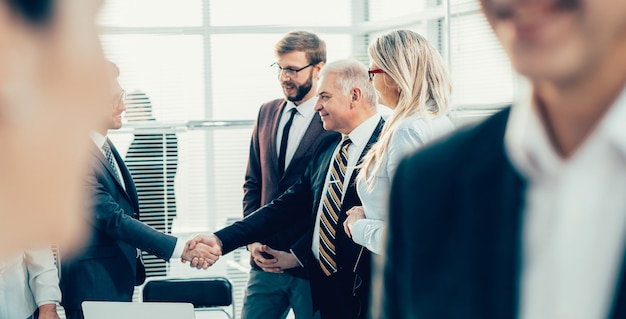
462	147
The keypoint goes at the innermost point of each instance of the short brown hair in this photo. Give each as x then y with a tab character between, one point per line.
305	41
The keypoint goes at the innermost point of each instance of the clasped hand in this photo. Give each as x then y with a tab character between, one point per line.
354	214
271	260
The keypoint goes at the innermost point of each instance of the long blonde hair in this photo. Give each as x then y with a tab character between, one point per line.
423	83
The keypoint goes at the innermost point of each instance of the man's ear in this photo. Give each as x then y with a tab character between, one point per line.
355	95
317	69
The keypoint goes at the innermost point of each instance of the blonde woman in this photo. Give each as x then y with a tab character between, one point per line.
410	77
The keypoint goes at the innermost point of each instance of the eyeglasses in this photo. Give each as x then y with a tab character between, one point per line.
371	73
119	100
292	73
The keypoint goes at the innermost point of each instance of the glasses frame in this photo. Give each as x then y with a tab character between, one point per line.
372	72
292	73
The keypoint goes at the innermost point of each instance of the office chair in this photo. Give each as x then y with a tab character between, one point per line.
206	294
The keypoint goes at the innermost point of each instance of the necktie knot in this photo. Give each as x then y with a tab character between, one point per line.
345	142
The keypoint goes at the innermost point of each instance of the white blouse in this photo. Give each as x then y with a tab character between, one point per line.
28	281
410	134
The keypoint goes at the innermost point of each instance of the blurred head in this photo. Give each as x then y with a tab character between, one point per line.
50	55
411	73
138	107
558	40
300	55
346	98
51	72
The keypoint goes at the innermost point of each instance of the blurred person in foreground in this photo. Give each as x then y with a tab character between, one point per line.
29	286
524	215
339	269
410	78
51	68
285	136
108	265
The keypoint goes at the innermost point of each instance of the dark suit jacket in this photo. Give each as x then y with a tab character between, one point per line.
277	215
455	230
264	182
107	268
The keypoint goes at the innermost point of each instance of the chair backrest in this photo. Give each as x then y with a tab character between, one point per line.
201	292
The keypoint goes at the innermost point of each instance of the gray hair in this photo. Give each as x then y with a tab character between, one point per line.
351	74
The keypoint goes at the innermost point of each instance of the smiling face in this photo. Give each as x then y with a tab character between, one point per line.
558	40
300	87
118	109
386	88
333	106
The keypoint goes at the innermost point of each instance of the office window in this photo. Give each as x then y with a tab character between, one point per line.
204	65
482	75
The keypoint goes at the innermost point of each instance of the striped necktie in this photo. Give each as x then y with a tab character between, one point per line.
331	207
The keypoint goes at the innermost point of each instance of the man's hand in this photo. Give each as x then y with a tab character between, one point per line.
202	252
262	259
48	311
355	213
208	258
281	260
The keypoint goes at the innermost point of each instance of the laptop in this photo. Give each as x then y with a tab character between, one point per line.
134	310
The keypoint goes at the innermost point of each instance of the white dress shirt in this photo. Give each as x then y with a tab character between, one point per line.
575	215
410	134
359	137
27	281
99	140
301	121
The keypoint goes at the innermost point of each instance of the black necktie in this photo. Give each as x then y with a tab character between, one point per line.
283	141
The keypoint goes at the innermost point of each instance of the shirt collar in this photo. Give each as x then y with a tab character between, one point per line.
362	133
528	144
98	139
305	109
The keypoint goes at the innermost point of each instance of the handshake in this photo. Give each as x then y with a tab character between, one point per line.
202	251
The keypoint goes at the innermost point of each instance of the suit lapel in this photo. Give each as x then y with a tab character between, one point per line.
373	139
274	128
130	189
111	174
313	133
618	307
496	192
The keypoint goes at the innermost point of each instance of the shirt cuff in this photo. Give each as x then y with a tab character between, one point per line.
178	249
298	260
47	302
358	232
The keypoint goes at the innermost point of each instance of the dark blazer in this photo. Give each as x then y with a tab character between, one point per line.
277	215
455	230
264	182
107	267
